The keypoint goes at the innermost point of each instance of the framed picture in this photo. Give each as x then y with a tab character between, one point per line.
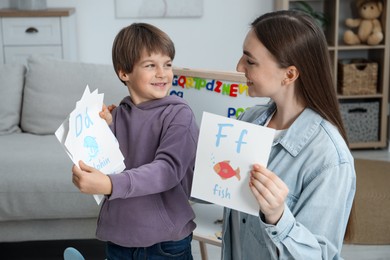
158	8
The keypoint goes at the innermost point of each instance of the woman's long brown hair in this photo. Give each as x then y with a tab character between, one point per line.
294	38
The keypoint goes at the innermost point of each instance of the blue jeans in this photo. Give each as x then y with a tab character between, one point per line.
165	250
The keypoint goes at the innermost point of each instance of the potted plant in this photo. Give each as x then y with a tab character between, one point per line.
305	7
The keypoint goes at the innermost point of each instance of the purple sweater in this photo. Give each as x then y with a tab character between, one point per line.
149	200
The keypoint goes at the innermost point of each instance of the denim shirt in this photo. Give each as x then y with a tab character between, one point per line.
313	160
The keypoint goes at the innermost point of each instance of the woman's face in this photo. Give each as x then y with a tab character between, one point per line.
264	76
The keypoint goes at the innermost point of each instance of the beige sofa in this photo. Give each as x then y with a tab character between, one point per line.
37	198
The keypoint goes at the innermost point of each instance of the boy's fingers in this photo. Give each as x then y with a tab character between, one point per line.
84	166
111	107
76	170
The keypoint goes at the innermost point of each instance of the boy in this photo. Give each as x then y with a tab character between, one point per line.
146	213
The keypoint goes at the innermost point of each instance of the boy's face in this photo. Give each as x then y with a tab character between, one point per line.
150	79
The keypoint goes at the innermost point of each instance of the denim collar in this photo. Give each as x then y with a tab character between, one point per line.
299	133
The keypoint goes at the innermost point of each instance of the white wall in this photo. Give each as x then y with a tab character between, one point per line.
213	41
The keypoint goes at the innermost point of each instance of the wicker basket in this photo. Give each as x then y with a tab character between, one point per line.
357	77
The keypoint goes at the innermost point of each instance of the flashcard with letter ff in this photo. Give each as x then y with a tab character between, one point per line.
227	149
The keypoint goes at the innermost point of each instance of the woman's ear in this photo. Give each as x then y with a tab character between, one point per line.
291	75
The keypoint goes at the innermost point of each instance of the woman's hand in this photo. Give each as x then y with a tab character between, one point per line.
270	192
90	180
106	113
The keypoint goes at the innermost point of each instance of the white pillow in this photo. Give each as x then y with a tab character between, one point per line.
11	91
54	86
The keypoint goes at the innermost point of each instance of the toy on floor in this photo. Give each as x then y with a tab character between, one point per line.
71	253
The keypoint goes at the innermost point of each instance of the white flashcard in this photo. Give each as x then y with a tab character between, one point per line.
85	136
227	149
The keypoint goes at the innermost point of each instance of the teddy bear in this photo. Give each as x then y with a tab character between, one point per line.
369	27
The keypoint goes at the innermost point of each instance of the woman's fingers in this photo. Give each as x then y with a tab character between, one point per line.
270	192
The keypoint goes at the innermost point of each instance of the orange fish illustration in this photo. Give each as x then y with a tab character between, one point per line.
225	171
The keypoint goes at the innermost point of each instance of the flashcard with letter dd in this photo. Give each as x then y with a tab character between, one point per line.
85	136
227	149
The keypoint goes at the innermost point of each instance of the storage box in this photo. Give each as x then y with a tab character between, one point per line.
357	77
361	121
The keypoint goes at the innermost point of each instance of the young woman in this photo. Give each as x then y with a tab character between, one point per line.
305	195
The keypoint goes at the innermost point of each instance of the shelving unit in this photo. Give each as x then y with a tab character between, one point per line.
337	11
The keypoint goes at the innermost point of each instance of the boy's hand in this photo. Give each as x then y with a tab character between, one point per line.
106	113
90	180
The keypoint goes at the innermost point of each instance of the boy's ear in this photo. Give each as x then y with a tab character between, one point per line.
123	75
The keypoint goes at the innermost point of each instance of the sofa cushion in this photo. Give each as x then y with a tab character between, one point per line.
54	86
11	88
41	186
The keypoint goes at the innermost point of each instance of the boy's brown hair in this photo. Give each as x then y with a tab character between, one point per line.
133	40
